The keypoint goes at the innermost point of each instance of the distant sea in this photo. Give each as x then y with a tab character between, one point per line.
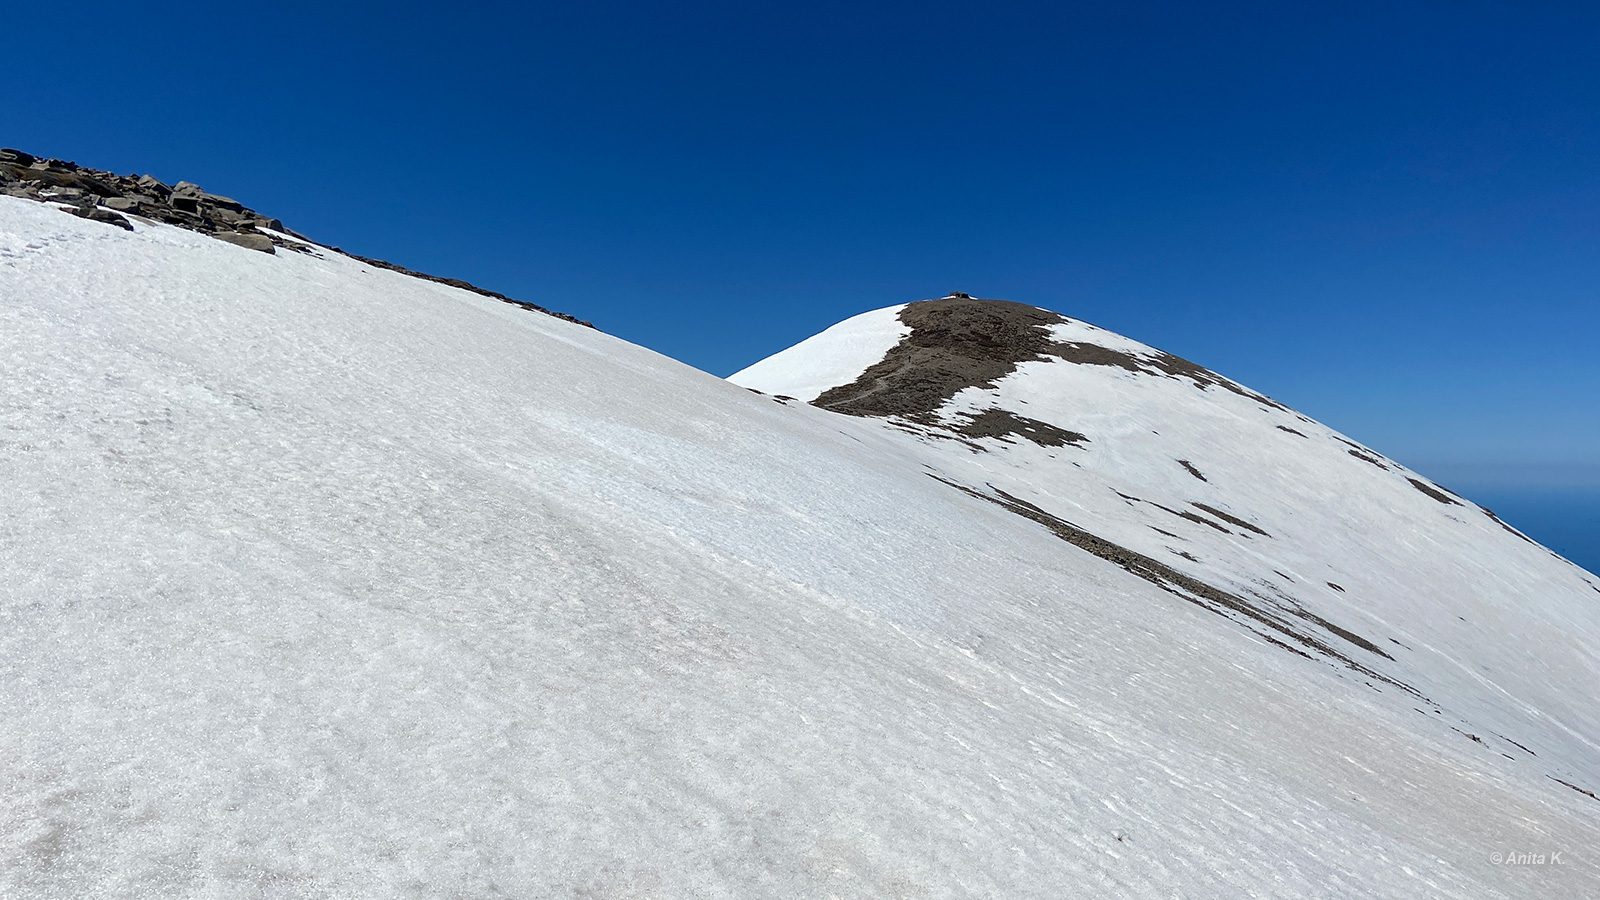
1567	520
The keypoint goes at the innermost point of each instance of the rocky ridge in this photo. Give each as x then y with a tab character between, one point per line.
960	341
103	196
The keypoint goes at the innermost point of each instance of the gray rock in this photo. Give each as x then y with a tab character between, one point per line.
251	241
178	217
101	215
58	176
222	202
186	196
100	195
46	175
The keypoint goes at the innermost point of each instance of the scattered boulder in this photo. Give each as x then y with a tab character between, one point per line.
96	214
221	202
248	241
100	196
186	196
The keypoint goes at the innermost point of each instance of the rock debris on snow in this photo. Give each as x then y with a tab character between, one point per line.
106	197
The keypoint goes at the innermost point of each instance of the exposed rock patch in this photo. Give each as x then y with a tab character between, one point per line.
1498	521
1157	363
96	214
1232	520
110	198
1586	792
466	286
1435	494
1368	458
106	197
1193	517
1003	424
955	343
1362	453
1264	623
248	241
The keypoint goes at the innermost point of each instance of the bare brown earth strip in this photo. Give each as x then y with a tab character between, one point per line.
468	286
1232	520
1435	494
958	342
1362	453
1193	517
1368	458
1519	746
1350	636
1159	362
1587	793
1001	424
1497	521
1229	605
955	343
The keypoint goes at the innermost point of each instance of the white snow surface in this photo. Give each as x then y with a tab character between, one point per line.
325	581
834	357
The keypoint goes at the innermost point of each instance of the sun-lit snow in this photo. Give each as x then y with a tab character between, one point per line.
323	581
834	357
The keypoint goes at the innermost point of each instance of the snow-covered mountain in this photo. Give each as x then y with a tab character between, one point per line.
323	580
1312	542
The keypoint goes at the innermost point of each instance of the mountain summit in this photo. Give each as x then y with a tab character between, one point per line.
322	579
1311	542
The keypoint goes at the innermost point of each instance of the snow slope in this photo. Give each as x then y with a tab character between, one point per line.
1216	482
324	581
834	357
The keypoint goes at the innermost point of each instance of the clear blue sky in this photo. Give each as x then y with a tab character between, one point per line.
1386	215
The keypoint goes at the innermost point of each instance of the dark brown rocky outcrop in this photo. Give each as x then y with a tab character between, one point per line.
110	198
959	341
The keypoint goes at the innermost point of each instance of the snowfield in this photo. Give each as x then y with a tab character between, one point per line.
322	581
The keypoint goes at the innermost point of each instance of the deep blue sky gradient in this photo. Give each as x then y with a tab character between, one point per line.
1382	214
